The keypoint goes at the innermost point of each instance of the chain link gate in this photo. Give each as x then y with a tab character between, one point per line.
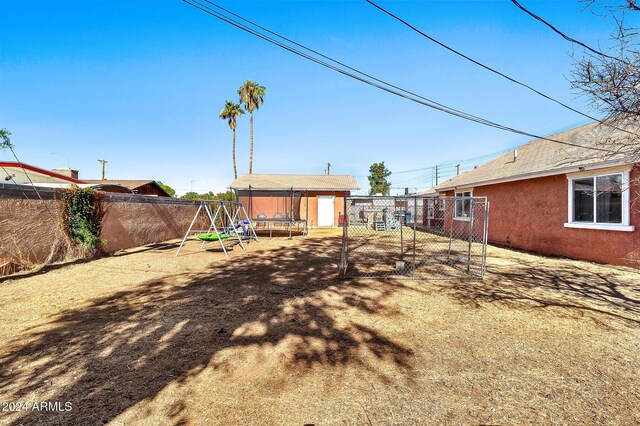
414	237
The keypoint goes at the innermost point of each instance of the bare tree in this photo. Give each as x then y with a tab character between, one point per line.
611	80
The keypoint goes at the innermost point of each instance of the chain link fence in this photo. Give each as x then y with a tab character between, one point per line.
414	237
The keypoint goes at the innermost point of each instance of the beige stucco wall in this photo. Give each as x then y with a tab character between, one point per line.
131	225
28	229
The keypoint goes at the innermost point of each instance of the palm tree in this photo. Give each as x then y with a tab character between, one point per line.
251	97
230	112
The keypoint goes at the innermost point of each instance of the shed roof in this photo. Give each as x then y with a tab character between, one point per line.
297	182
542	157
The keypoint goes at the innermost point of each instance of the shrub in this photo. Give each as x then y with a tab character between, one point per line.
82	211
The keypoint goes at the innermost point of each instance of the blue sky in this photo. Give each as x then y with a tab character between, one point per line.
141	83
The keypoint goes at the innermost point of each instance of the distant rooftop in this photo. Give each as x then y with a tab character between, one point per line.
22	173
129	183
132	184
296	182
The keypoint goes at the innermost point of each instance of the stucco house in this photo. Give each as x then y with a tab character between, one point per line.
571	201
316	199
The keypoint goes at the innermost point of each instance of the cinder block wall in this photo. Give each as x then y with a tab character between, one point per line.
29	226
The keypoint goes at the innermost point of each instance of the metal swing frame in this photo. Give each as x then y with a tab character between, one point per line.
235	221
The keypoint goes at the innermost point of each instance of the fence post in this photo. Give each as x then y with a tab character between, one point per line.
485	237
415	221
471	208
345	240
452	214
401	226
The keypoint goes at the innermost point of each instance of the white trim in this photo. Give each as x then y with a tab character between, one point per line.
626	207
455	204
600	172
464	189
601	226
534	175
431	208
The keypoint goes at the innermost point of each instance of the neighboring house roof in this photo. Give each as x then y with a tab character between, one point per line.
297	182
24	174
427	192
546	158
128	183
106	188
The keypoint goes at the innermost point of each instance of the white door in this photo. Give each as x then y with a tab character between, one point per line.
325	210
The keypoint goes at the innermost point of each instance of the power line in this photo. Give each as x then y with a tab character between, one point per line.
423	177
378	83
488	68
411	171
447	169
563	35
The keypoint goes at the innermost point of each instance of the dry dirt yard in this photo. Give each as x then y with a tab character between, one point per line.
272	336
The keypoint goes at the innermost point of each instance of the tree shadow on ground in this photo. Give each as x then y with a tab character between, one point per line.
125	348
43	269
601	293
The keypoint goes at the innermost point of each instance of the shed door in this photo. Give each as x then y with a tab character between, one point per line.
325	210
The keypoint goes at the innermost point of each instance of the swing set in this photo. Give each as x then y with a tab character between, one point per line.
228	224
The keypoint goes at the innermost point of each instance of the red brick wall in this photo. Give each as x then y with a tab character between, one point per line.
530	215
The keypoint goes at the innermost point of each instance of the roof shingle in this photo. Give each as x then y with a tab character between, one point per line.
544	156
297	182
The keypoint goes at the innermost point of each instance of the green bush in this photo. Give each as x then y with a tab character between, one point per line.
82	213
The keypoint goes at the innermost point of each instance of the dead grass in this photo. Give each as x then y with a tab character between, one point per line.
273	337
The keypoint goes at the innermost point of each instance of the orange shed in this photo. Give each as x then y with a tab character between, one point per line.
316	200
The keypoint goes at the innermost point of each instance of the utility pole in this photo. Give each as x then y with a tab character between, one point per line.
436	175
103	163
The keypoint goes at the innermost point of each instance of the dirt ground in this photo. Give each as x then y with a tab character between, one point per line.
272	336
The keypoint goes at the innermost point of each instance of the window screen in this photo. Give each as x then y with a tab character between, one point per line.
609	199
463	204
598	199
583	200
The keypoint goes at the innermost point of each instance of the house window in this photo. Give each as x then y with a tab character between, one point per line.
600	202
430	208
463	205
